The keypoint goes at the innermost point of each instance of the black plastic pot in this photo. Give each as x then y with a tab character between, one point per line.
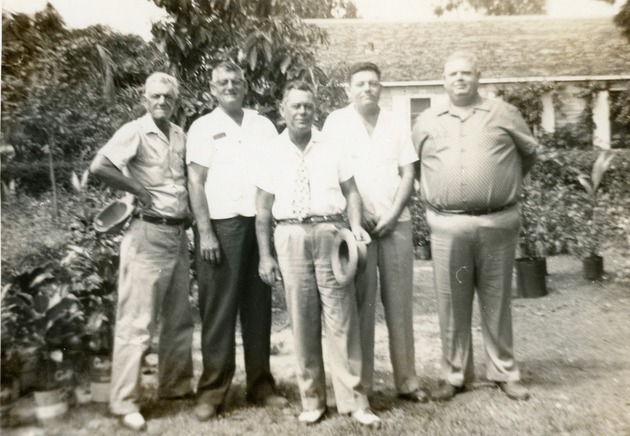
423	252
530	277
593	267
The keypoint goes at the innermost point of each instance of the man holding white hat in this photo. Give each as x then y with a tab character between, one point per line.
307	198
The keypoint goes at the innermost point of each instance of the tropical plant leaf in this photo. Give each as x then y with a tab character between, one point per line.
40	279
76	184
84	179
600	166
585	181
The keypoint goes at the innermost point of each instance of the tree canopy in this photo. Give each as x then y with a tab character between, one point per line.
324	8
498	7
622	19
266	38
66	90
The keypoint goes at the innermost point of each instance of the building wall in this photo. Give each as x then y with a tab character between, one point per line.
564	108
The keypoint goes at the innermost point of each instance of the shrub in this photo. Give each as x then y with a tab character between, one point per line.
560	217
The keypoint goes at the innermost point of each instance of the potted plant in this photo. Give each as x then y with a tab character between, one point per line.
91	264
531	264
593	263
40	321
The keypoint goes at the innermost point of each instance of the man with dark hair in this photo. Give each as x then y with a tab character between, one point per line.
307	198
474	153
154	263
222	149
382	158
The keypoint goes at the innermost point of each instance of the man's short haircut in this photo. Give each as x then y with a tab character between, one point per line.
363	66
227	66
163	78
462	54
299	85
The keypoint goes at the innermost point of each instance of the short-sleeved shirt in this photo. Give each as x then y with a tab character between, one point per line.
230	152
375	159
474	163
143	152
326	166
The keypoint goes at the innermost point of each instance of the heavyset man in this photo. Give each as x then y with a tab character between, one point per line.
306	185
382	158
221	151
474	153
154	263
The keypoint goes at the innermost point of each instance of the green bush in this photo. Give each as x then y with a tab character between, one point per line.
421	232
560	219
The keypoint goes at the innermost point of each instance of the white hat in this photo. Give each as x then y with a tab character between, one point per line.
113	217
348	256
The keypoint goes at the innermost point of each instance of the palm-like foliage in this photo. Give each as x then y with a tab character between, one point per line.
591	184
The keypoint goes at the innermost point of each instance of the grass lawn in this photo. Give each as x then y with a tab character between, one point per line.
573	347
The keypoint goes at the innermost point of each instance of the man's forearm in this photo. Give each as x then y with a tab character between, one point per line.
109	174
263	234
200	210
405	188
354	209
264	219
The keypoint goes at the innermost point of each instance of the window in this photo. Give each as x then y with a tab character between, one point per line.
417	106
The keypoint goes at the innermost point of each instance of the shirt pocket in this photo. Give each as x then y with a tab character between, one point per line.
153	154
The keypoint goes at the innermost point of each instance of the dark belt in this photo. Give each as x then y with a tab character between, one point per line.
315	219
161	220
475	212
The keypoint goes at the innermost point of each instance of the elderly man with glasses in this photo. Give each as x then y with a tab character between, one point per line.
221	151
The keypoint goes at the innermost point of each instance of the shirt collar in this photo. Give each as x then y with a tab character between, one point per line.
481	103
316	137
149	126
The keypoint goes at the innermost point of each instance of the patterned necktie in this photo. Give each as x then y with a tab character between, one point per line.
301	191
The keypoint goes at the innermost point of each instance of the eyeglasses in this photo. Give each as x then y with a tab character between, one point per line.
235	82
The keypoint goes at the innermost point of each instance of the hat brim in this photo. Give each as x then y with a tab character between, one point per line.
348	257
113	217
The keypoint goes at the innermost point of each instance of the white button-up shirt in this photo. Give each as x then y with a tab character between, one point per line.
142	151
376	159
230	152
326	166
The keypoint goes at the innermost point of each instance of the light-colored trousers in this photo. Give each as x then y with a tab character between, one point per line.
314	298
392	255
153	280
475	252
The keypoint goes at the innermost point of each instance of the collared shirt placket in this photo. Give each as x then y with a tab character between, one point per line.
463	126
173	163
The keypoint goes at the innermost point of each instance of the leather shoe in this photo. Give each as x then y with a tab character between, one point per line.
366	417
205	411
514	390
417	396
133	421
310	417
445	392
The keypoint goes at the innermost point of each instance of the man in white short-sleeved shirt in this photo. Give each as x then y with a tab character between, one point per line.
306	185
382	157
222	150
145	157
